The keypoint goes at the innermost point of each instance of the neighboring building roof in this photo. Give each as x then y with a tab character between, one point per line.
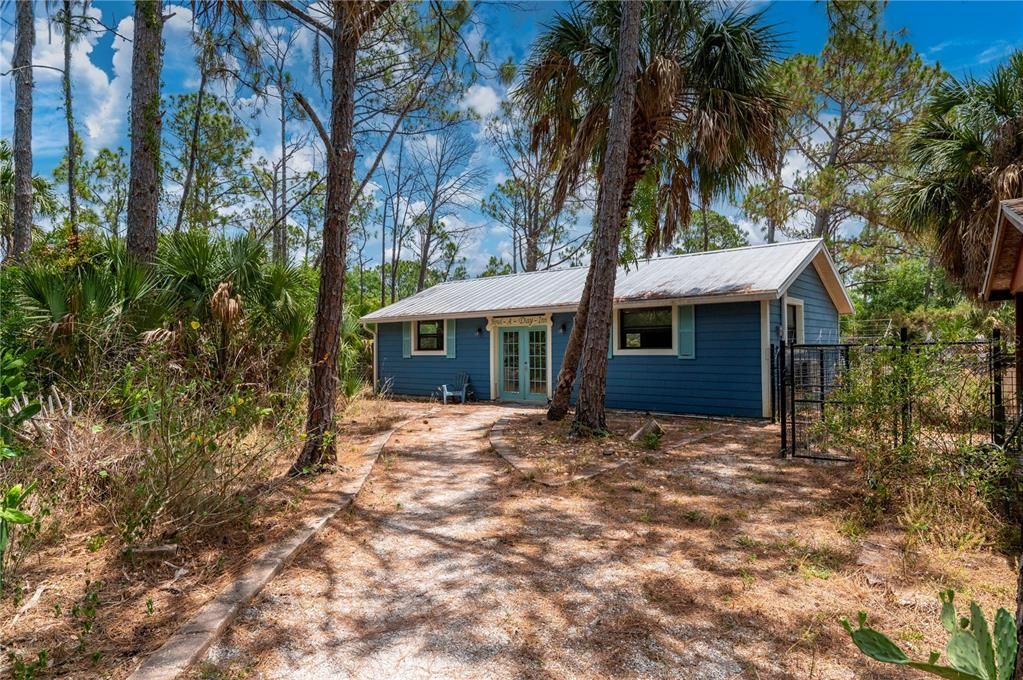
1005	250
752	273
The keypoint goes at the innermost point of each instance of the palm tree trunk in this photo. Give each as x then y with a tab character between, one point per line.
144	183
69	119
570	362
24	41
589	412
320	447
562	394
193	149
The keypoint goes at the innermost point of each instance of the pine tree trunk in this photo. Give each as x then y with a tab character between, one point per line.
589	412
24	41
280	254
144	183
706	226
193	149
69	118
383	256
320	448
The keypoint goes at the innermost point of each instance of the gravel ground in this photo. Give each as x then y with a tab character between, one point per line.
714	563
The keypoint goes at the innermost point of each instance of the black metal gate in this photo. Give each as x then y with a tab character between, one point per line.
834	399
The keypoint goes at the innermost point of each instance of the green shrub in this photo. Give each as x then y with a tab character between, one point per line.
15	407
12	501
200	461
974	651
918	422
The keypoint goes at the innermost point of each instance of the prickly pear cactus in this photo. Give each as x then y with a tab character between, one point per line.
973	651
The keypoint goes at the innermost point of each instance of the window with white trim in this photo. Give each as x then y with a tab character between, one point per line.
645	328
429	336
794	322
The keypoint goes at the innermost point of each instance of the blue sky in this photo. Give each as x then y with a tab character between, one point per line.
965	37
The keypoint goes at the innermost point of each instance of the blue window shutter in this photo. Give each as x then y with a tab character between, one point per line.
686	332
450	326
406	339
611	338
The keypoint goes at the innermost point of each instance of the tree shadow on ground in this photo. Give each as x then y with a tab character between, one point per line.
717	561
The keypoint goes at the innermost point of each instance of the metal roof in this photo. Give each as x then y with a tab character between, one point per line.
750	273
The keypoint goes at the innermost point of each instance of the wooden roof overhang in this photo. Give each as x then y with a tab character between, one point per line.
1004	276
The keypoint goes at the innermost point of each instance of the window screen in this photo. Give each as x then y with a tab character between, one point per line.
430	336
646	328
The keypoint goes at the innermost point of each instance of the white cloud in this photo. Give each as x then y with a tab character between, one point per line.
100	95
999	50
482	99
106	123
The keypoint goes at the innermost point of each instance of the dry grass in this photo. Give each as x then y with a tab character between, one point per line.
549	451
97	613
715	560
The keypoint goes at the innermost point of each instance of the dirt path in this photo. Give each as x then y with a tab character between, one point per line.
396	588
716	562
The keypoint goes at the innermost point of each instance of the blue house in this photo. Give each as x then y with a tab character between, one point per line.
690	333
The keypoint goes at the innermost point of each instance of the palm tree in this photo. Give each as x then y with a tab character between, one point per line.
607	231
43	200
965	155
702	95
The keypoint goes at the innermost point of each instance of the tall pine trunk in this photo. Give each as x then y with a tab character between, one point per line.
69	119
706	225
280	249
144	182
383	256
320	448
24	41
589	413
193	147
424	262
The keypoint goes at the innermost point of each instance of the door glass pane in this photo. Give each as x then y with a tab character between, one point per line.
510	360
790	322
538	362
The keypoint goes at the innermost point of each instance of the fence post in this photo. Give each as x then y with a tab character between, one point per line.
792	394
904	384
820	385
782	407
774	386
997	387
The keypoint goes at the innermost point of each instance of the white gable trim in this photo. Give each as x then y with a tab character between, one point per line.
828	273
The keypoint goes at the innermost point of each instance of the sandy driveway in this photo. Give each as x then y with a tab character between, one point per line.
716	562
414	583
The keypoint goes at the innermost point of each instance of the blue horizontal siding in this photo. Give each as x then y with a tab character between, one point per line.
820	317
723	379
420	375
